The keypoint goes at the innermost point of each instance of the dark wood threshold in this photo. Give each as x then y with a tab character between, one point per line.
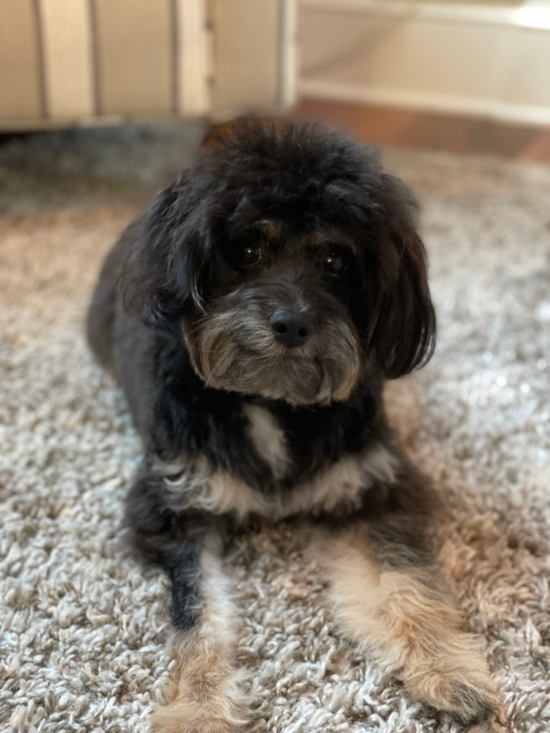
429	131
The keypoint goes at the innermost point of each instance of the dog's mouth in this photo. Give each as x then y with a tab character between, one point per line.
323	370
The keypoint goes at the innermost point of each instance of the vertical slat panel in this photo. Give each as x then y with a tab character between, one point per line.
247	51
66	37
134	48
20	93
192	65
288	60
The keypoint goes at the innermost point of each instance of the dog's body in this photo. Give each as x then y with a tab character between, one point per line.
264	299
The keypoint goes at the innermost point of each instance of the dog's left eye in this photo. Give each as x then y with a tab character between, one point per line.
335	263
249	255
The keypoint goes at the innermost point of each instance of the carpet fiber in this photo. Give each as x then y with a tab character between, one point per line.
83	627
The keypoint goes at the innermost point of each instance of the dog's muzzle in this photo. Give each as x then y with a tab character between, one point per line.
278	353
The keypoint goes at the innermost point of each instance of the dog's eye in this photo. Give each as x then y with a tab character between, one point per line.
249	255
335	264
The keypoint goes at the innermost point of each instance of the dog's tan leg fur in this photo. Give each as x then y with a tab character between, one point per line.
403	616
205	689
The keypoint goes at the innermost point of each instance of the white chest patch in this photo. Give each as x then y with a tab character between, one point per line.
195	484
268	439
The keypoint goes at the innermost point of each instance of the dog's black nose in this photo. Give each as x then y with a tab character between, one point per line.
291	329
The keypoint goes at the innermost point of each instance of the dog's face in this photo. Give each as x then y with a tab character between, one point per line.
278	319
290	265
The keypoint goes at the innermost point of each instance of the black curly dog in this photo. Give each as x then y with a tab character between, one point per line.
252	315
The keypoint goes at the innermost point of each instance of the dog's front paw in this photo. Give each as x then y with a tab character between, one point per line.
184	716
204	708
473	704
460	687
215	713
205	692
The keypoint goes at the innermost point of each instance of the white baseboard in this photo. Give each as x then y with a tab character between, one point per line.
407	99
463	58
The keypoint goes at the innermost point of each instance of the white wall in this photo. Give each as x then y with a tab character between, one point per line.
490	59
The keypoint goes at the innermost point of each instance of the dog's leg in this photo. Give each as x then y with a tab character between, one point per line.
389	596
205	690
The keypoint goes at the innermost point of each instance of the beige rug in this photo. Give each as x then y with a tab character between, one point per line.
83	628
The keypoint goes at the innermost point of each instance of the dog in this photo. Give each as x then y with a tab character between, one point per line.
252	315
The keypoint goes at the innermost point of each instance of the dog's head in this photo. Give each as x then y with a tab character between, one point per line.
289	263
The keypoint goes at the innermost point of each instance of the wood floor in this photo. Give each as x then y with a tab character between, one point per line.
411	129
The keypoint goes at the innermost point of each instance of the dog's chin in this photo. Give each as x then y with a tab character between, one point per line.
287	382
298	377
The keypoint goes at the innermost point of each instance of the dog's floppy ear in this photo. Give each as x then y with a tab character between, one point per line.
165	252
400	331
404	334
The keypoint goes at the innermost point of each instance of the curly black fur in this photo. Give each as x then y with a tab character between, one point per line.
311	181
279	218
174	264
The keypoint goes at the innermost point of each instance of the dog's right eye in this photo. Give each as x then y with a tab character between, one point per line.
249	255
